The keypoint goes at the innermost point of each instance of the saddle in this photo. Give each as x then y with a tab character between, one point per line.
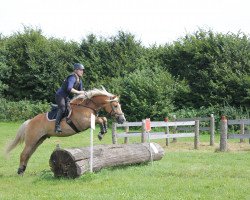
53	111
52	116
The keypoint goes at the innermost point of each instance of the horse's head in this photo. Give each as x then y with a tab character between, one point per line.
113	107
97	99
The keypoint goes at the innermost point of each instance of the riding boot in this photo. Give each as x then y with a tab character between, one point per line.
59	116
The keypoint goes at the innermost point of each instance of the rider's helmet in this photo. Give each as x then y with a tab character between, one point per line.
78	66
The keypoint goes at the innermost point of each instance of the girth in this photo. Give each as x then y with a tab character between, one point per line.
70	122
72	125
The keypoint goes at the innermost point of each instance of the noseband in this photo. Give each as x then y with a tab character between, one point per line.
113	108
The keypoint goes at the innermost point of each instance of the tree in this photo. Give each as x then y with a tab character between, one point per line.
36	65
150	92
113	57
213	64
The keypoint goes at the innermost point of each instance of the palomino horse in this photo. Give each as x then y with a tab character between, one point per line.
34	131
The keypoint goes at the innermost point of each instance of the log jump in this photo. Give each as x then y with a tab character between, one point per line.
74	162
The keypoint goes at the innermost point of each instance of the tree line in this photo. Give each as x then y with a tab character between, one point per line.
200	70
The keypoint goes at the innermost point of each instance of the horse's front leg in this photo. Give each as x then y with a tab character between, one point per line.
102	121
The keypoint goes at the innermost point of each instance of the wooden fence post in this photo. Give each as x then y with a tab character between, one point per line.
114	136
242	131
126	139
223	134
196	134
175	129
167	131
212	129
143	132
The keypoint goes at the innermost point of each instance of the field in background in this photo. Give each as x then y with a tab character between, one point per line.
183	173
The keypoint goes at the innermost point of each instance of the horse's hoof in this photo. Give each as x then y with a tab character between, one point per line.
20	174
21	170
100	137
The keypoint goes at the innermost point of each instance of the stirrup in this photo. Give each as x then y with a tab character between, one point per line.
58	129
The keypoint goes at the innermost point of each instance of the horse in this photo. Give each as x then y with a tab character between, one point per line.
34	131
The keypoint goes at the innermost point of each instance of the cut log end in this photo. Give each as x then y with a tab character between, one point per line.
63	164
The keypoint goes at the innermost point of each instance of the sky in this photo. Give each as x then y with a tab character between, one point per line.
151	21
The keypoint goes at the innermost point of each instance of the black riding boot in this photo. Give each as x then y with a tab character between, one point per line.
59	116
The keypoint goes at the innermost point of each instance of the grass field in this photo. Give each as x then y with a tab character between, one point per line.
183	173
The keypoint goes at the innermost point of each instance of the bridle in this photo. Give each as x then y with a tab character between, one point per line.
96	111
113	108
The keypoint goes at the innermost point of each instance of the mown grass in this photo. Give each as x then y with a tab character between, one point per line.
183	173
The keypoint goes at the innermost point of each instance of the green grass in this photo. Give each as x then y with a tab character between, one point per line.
183	173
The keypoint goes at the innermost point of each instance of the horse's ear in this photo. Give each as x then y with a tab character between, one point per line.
116	98
113	98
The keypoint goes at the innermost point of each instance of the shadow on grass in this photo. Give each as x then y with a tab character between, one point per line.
47	175
125	167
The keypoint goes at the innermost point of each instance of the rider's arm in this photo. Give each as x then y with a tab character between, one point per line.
71	81
80	86
74	91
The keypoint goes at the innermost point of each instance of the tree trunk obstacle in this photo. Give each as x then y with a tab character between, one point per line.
74	162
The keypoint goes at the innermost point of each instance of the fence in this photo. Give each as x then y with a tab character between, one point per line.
210	126
156	135
224	135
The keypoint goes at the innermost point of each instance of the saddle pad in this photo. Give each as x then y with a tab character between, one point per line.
52	114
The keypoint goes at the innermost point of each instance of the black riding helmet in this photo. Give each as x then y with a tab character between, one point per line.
78	66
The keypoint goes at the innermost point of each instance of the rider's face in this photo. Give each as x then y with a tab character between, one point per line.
79	72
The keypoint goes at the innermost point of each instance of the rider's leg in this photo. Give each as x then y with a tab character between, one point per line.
59	116
61	102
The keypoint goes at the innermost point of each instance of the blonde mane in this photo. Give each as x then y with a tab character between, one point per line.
95	92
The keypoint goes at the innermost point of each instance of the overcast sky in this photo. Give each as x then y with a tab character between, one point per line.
151	21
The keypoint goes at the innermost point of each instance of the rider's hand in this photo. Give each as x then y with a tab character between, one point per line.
81	92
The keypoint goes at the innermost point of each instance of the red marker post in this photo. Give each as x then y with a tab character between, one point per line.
148	125
148	129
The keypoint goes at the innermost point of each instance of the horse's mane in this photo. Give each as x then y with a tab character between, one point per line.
92	93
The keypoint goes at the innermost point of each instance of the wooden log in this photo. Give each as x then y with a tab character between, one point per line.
74	162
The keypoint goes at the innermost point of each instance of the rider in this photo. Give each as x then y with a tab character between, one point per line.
71	85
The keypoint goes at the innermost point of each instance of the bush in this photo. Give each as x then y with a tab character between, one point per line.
215	65
34	66
21	110
229	111
150	92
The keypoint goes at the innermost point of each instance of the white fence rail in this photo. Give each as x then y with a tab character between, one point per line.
209	121
156	135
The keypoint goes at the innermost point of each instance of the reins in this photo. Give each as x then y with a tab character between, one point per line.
85	106
96	111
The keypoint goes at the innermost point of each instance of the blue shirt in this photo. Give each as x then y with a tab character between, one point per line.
67	86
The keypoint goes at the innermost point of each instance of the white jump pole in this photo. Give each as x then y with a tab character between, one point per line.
92	127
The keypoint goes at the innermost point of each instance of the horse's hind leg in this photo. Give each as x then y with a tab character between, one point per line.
28	150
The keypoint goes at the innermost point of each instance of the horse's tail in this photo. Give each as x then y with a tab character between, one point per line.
18	139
